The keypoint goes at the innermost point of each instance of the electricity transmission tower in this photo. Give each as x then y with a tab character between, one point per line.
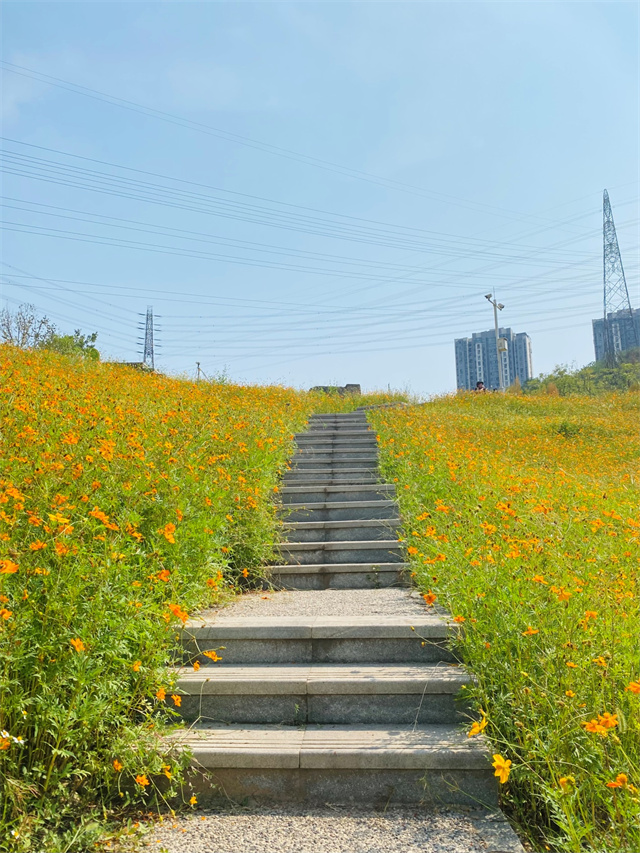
617	305
148	353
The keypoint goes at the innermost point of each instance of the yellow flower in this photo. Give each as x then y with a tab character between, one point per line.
502	768
566	783
136	666
193	801
478	726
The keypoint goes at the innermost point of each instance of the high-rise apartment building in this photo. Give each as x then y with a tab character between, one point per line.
477	359
622	332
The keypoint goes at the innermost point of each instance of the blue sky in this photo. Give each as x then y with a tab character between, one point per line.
318	192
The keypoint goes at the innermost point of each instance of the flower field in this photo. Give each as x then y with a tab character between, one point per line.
521	518
127	501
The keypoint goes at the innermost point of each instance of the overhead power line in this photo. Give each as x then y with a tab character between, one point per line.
275	150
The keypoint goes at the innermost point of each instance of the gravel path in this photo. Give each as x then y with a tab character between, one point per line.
326	602
335	830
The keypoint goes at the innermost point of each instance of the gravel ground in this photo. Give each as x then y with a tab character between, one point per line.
324	602
334	830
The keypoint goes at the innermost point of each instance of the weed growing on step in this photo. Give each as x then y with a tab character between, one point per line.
521	518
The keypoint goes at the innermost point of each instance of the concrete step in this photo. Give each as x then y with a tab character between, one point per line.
330	493
362	551
338	576
336	426
321	639
340	417
340	510
328	438
348	463
341	531
327	694
340	455
372	765
349	477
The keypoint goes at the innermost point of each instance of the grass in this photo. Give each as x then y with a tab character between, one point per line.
127	501
521	518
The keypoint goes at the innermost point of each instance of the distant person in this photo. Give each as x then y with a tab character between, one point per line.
480	386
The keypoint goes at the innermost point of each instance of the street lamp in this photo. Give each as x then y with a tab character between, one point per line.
497	306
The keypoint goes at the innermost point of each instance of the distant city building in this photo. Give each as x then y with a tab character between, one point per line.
477	359
622	332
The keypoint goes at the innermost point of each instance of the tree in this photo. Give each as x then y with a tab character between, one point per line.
23	329
75	344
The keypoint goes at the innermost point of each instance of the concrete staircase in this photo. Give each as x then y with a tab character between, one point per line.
318	708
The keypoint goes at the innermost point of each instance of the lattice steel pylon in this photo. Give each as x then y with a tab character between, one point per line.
148	356
616	295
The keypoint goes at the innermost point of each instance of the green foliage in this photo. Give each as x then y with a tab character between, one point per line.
595	378
76	344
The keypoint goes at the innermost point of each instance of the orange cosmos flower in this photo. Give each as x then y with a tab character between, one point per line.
164	575
117	766
478	726
621	781
609	721
212	654
245	573
38	545
142	780
459	619
168	532
136	666
78	645
502	768
530	632
430	598
6	614
160	694
7	567
179	613
196	666
633	687
177	700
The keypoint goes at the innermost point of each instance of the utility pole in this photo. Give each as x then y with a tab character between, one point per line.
617	305
198	373
497	306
